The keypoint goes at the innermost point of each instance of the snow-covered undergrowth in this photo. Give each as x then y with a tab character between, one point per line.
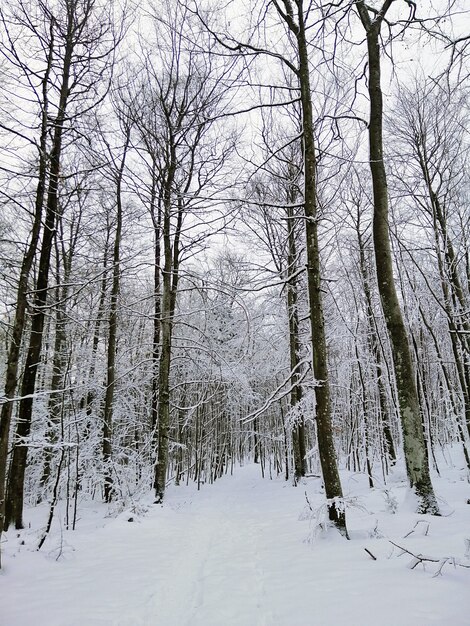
247	552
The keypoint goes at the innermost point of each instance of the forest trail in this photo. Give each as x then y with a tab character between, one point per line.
222	567
232	554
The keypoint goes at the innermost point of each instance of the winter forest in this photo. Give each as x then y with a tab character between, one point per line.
235	250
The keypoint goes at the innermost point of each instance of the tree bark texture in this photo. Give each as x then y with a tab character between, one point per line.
326	446
19	323
413	436
112	332
299	435
166	329
14	503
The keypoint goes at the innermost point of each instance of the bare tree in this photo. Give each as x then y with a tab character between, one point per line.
294	58
274	221
80	41
13	52
116	162
180	100
413	436
434	141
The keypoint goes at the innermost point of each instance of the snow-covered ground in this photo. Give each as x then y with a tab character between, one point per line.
245	552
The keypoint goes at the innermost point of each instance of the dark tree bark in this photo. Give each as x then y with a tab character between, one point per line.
156	215
326	445
88	399
413	436
60	356
14	503
299	434
108	410
373	341
76	38
19	323
166	336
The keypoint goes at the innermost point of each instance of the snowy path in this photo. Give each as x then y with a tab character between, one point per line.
230	555
221	572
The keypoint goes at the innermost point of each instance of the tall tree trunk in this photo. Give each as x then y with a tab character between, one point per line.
19	323
365	415
374	347
299	443
167	308
87	401
112	333
14	503
326	446
156	215
413	436
59	362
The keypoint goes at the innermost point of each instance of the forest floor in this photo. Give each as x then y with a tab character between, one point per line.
245	552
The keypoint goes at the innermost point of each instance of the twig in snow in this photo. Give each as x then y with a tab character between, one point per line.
370	554
308	502
420	558
425	531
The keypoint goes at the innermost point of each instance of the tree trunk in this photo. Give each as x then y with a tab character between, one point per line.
413	436
298	434
156	215
14	503
59	364
19	323
166	329
326	446
374	348
112	333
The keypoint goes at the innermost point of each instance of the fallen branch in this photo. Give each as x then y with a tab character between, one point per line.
421	558
424	529
370	554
